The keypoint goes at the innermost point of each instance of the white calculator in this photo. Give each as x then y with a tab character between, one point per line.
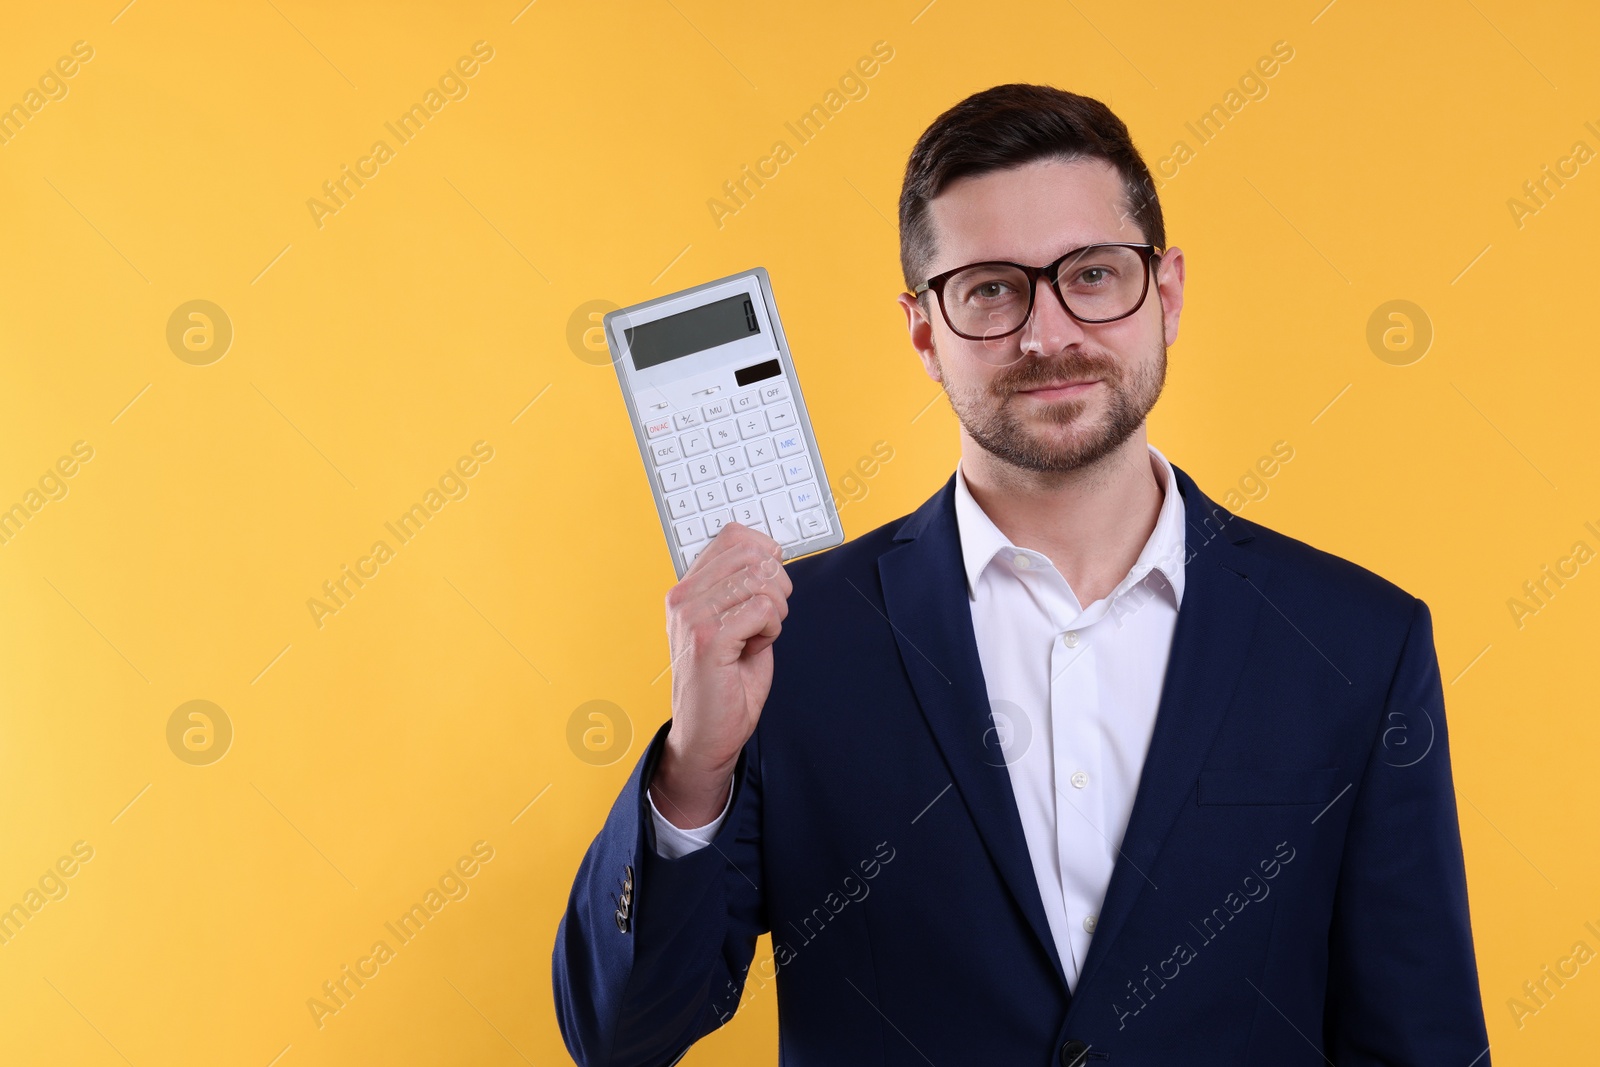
716	406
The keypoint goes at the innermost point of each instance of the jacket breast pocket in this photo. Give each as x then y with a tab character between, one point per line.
1270	785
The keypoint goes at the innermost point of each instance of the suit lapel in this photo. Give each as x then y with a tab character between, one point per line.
925	598
1222	599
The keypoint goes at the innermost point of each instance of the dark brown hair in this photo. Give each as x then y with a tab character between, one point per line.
1007	126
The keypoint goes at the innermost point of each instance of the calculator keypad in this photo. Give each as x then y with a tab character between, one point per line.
738	459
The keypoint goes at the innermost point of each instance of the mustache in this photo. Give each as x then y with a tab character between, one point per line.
1031	374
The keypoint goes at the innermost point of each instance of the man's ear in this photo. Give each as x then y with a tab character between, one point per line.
1169	285
921	331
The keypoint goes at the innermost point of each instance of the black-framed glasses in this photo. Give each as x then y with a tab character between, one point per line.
994	299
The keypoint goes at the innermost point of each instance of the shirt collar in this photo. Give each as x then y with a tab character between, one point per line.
982	541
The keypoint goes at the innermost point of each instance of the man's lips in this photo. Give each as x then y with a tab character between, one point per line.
1052	392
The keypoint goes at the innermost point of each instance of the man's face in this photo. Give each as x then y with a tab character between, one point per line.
1033	214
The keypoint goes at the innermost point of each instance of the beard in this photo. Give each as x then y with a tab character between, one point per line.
992	415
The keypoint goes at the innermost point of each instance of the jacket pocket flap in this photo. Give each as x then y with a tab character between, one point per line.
1269	785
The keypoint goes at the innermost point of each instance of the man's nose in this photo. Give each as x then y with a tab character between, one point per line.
1050	327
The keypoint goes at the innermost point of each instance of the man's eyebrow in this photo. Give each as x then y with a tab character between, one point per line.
1065	249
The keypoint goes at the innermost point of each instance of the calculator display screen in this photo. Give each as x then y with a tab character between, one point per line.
696	330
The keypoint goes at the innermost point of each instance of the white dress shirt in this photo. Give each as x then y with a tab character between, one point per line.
1073	692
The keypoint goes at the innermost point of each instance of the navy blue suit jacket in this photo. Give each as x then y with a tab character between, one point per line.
1290	888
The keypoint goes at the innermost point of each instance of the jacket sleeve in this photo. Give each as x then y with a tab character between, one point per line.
639	975
1402	975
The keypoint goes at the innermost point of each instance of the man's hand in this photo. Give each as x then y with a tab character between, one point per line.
722	619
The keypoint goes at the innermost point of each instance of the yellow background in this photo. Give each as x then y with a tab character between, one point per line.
371	352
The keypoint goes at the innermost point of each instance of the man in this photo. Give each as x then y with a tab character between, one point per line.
1069	765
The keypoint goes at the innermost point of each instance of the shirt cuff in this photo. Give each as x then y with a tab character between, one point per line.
672	841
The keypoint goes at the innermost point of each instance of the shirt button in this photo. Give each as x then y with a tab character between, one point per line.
1079	779
1088	924
1021	561
1071	638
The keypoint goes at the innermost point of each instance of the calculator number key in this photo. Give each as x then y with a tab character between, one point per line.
682	505
673	478
710	496
690	530
739	487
